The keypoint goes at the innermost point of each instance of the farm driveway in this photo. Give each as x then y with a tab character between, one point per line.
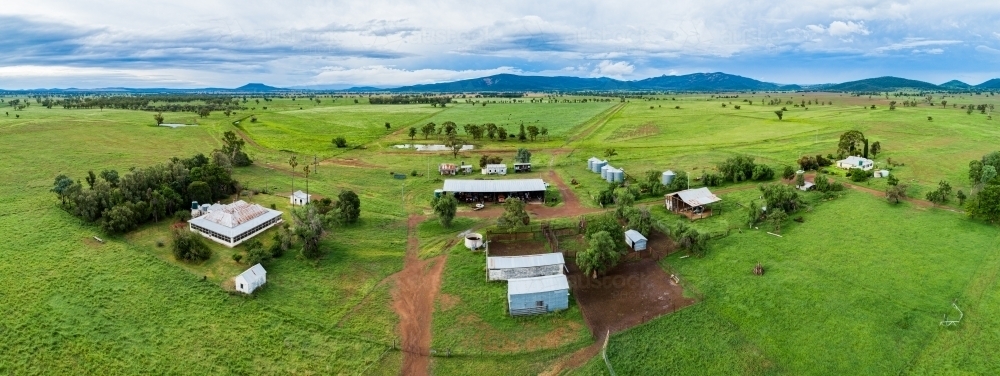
413	299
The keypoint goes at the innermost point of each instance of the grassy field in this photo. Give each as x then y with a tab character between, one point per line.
858	288
848	291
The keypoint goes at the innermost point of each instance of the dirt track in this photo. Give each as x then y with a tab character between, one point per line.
413	299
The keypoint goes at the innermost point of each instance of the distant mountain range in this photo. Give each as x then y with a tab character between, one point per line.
697	82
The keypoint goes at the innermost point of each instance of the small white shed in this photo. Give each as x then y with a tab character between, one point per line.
251	279
495	169
300	198
635	240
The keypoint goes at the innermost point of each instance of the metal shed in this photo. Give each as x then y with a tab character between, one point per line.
495	190
512	267
537	295
635	240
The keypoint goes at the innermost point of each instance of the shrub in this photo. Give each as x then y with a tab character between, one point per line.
340	142
189	246
858	175
182	215
788	173
237	257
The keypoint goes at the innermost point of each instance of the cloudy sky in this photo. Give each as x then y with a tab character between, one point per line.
184	43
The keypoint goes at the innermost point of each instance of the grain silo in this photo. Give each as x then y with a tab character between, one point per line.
619	176
590	163
598	164
668	177
604	171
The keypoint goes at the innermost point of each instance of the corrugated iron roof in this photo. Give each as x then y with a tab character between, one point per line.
255	273
235	218
300	194
511	262
532	285
634	236
494	186
697	196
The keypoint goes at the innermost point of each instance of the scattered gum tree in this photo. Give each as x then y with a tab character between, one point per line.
600	256
445	207
513	215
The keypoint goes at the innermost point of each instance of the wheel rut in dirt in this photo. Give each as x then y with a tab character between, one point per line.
413	300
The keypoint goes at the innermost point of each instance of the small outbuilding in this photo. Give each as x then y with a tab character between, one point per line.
511	267
881	173
807	186
635	240
465	169
495	169
300	198
447	169
522	167
537	295
251	279
693	203
856	162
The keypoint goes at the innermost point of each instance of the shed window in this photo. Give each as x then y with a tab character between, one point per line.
540	303
241	285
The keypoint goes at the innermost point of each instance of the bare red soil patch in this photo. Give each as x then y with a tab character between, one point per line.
631	294
519	248
413	299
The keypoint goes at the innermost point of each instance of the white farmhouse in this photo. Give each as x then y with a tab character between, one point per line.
251	279
234	223
856	162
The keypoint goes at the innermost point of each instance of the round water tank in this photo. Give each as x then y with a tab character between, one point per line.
604	171
668	177
473	241
619	176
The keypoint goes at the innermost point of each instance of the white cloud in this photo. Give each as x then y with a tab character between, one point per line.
608	68
987	50
913	43
929	51
843	29
381	75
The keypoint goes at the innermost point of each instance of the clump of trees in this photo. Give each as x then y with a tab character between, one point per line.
855	143
233	147
652	185
941	195
779	201
742	168
603	252
120	204
807	163
522	156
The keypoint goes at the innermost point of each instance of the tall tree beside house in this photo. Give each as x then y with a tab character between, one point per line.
293	162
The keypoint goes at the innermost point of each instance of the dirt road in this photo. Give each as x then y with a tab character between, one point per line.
413	299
